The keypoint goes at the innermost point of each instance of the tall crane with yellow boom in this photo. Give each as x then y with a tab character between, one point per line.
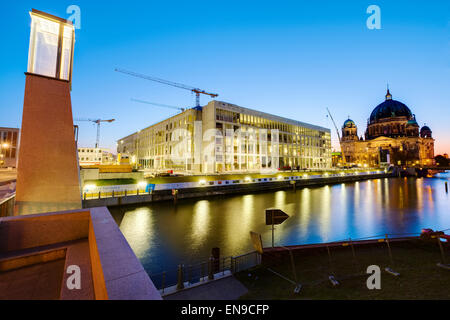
197	91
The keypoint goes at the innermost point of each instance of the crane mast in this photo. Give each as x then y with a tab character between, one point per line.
97	122
338	134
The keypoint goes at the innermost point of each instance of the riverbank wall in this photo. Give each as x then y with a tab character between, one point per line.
178	192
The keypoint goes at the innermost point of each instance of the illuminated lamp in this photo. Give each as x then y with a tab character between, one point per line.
142	184
52	41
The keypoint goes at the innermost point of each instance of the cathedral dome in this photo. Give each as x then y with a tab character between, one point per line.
390	108
425	132
349	124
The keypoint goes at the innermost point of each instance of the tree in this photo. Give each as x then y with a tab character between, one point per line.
441	161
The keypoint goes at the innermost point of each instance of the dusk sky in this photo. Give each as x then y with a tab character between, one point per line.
289	58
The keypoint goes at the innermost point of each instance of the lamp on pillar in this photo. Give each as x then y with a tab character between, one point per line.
48	171
52	43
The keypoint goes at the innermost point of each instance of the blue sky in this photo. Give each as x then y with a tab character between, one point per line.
290	58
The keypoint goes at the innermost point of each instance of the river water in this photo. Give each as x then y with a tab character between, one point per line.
164	235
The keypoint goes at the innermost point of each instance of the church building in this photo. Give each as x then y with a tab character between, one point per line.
393	136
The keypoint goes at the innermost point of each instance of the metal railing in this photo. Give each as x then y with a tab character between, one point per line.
187	275
113	194
7	206
346	257
246	261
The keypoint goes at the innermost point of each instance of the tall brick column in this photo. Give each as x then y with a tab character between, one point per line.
47	171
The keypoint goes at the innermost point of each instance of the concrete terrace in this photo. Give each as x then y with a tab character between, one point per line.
228	288
37	250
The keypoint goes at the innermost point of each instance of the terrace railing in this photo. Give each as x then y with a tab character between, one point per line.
186	276
7	206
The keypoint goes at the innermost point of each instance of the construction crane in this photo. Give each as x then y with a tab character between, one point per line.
159	104
338	134
96	121
197	91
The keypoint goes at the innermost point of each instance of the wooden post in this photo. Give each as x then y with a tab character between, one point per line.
202	278
233	265
273	232
293	266
190	274
389	249
354	255
175	196
223	266
329	260
353	249
442	250
215	253
180	284
446	186
210	269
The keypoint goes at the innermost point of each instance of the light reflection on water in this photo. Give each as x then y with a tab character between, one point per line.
163	235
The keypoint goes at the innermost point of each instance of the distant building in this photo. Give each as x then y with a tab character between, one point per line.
336	158
392	137
445	155
222	137
9	147
95	156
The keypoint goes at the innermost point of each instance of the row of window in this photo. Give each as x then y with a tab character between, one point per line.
89	150
89	159
260	122
9	137
7	153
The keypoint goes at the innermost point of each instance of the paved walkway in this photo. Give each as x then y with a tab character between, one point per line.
228	288
37	282
7	188
7	175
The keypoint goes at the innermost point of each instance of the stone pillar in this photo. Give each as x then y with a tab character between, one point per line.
48	171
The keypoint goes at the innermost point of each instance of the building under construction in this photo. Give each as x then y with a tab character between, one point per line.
222	137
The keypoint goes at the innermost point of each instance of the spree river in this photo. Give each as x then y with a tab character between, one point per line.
164	235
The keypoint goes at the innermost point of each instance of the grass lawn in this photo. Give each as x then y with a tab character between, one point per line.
419	278
110	182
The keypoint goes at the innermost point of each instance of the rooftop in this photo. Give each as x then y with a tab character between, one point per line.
237	108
